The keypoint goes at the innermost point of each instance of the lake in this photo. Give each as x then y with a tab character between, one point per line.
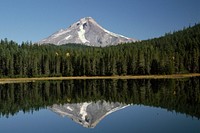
101	106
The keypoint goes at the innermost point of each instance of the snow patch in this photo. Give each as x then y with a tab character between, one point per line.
60	112
69	108
61	32
60	42
116	109
43	40
81	34
111	33
83	110
66	38
84	20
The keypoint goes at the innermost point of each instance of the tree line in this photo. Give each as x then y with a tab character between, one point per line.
176	52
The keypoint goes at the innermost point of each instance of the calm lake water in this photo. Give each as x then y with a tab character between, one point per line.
101	106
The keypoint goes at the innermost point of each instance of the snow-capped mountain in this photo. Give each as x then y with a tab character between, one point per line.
86	31
88	114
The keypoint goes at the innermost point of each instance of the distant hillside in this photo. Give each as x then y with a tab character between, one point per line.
176	52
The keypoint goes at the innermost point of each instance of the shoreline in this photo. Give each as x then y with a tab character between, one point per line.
172	76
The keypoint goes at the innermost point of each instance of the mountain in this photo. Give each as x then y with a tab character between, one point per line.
88	114
86	31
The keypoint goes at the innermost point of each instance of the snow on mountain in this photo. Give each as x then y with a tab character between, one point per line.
86	31
88	114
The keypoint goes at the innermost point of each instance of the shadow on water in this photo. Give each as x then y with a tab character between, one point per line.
179	95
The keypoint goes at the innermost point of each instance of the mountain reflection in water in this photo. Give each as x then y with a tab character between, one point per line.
92	100
88	114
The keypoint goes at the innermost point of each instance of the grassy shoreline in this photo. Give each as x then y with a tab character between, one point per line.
16	80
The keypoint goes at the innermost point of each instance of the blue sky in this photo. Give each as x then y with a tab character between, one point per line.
33	20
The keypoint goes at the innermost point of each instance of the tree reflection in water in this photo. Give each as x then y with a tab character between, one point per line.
180	95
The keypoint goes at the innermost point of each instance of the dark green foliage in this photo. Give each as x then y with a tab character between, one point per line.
173	53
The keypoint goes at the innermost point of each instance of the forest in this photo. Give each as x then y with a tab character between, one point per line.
173	53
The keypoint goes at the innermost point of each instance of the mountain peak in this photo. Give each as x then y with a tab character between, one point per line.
86	19
86	31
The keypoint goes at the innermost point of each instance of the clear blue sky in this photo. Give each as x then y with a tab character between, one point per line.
33	20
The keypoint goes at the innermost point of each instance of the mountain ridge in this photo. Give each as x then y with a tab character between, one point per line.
88	32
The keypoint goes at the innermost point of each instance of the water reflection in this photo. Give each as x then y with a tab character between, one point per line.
88	114
180	95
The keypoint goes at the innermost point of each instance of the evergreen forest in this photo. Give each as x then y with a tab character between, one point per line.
173	53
